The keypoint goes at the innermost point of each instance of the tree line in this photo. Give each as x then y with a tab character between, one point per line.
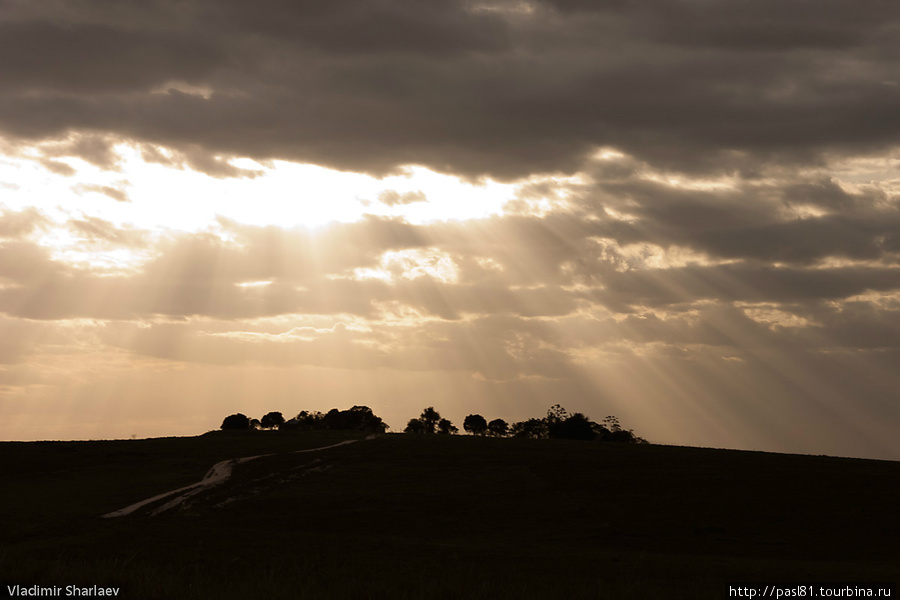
557	424
358	418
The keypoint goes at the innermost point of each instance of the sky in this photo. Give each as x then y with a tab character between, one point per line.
684	213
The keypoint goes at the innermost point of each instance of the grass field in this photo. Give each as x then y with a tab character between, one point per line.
405	516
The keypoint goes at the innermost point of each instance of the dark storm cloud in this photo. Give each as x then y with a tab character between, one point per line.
857	324
805	240
471	88
766	26
437	27
743	283
798	221
800	241
46	55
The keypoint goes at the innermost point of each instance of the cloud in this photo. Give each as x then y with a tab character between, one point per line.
116	193
527	270
765	26
368	86
50	53
94	149
20	224
216	166
782	218
59	168
100	231
17	335
547	266
728	283
495	349
519	318
395	198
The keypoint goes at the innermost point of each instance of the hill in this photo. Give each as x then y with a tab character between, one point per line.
418	516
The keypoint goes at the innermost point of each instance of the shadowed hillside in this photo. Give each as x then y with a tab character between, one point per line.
405	516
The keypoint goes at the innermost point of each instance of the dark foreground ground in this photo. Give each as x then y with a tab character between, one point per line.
405	516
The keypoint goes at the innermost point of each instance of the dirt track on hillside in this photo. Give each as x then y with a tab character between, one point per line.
218	474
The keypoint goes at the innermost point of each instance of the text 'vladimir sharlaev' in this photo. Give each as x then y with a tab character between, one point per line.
68	591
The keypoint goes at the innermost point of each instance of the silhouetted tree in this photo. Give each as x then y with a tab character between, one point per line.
622	435
574	427
236	421
475	424
363	419
613	432
255	424
415	426
446	427
358	418
307	420
600	432
498	427
556	414
272	420
333	419
611	423
532	428
430	419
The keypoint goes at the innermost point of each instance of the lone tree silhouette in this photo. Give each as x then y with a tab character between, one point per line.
272	420
446	427
498	428
475	424
236	421
414	426
430	419
363	419
556	414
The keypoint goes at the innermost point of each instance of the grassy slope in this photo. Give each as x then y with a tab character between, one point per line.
434	516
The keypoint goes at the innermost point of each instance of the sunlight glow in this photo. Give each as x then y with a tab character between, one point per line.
412	263
773	317
153	187
684	183
509	8
253	284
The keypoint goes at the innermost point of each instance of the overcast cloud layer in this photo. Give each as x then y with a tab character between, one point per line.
499	88
723	270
